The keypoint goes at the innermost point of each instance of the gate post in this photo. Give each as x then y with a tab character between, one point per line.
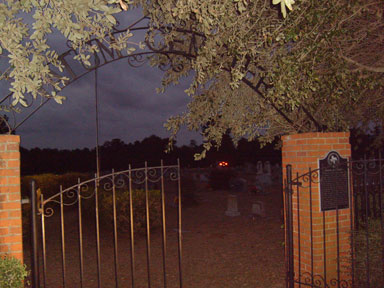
11	237
321	239
288	227
34	245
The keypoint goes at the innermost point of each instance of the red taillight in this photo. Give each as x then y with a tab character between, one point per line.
223	164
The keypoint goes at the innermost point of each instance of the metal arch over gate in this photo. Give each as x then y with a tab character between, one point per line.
74	70
335	231
71	201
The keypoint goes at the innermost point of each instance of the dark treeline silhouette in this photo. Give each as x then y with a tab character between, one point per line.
116	154
367	145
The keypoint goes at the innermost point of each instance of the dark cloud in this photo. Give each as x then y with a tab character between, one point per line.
129	107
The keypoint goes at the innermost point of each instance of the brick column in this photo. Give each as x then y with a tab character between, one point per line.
327	247
11	238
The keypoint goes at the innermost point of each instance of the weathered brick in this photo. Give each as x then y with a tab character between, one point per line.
13	163
3	198
15	230
18	246
309	148
10	205
10	239
14	214
10	155
14	196
12	180
4	231
10	222
12	147
9	172
4	247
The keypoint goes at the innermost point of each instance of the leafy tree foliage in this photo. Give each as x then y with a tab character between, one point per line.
256	70
260	74
25	26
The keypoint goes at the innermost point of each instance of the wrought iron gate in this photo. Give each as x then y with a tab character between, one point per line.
350	230
82	202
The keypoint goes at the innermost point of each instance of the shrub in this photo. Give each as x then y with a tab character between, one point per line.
139	212
374	251
50	183
12	273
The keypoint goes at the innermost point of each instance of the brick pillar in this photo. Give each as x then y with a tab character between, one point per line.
11	238
317	251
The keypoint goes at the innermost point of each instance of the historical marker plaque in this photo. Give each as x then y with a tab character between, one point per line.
333	182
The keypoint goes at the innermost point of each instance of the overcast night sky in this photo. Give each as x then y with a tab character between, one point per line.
129	108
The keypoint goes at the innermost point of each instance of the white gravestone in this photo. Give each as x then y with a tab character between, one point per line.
267	168
259	167
258	209
232	209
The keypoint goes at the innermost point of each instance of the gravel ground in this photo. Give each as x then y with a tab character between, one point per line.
218	251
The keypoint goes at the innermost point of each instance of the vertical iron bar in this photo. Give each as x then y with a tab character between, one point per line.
35	256
324	251
115	229
179	225
43	239
338	245
163	224
97	231
351	188
131	228
356	201
290	223
148	227
62	235
97	126
287	231
366	223
311	221
298	224
381	213
80	234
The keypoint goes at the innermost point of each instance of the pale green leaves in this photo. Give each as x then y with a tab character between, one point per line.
241	5
297	57
58	99
284	4
25	45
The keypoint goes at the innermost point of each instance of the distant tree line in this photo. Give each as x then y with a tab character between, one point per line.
116	154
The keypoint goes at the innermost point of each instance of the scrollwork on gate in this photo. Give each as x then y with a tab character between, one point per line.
118	180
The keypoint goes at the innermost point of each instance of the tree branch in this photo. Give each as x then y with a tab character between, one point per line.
363	66
256	89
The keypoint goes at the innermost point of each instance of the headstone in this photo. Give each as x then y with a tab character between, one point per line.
277	173
264	179
267	168
238	185
232	209
258	209
259	167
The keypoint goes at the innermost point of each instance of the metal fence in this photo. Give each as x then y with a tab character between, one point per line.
83	201
365	197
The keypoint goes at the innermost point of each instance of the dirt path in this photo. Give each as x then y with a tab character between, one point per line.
218	251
